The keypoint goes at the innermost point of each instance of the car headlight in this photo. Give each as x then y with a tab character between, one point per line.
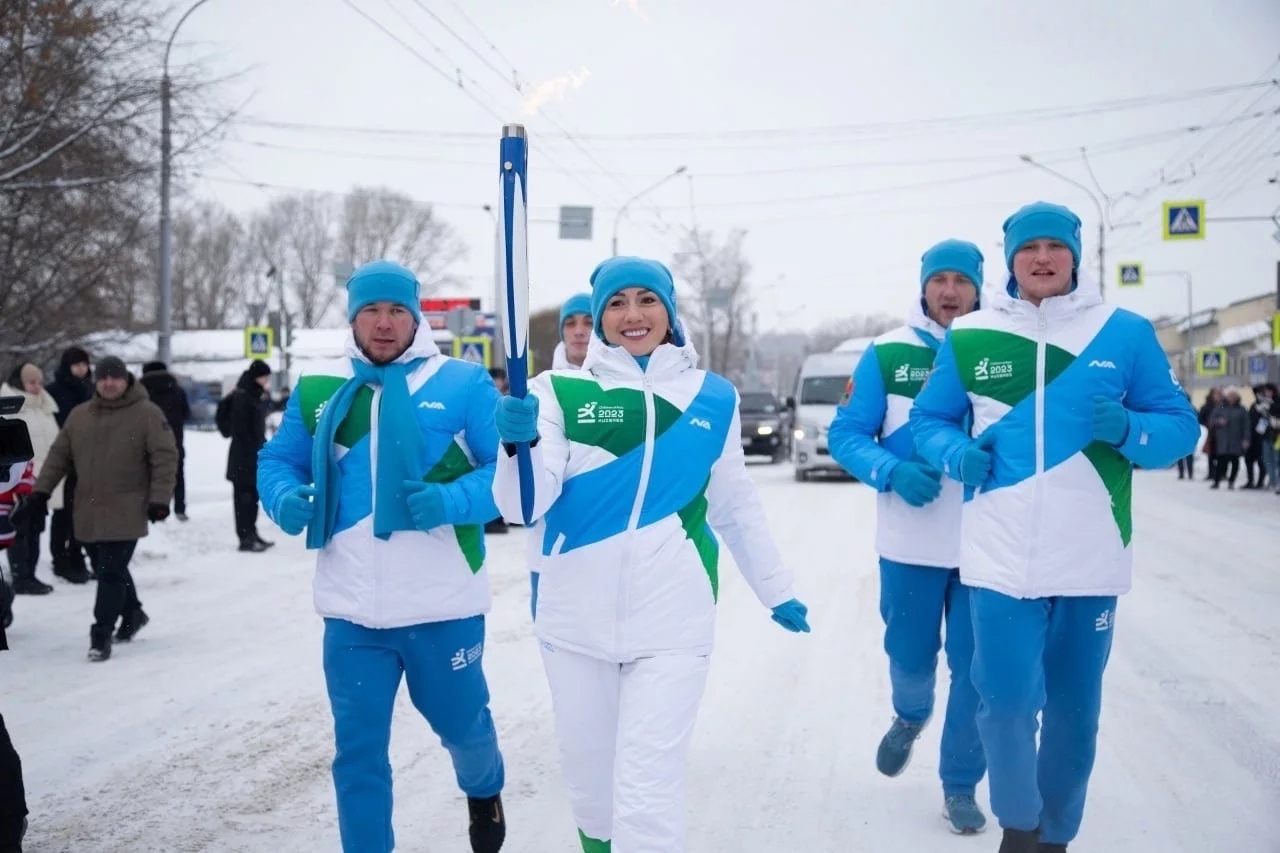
765	429
804	431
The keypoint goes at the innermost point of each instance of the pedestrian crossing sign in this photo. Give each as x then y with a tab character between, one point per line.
1131	275
1183	220
477	349
258	342
1211	361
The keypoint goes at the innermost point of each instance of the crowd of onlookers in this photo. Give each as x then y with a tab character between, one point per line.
1239	435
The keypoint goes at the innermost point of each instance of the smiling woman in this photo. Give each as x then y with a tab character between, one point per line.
638	463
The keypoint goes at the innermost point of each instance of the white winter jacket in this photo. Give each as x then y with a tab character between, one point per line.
870	437
413	576
633	471
1055	516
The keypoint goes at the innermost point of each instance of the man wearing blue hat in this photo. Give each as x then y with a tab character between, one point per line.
387	464
1067	394
575	333
918	531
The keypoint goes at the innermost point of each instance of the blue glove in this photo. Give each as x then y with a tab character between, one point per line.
790	615
533	594
517	419
295	509
1110	421
915	482
975	462
430	504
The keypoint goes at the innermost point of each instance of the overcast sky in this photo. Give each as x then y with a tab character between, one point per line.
819	126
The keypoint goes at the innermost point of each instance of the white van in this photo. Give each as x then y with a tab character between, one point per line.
819	388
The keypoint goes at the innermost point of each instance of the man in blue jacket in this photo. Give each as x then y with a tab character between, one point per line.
1066	394
918	531
400	577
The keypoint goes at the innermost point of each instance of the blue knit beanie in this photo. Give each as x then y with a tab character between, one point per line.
579	303
619	273
382	281
952	256
1042	221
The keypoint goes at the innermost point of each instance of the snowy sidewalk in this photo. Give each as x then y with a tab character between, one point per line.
211	731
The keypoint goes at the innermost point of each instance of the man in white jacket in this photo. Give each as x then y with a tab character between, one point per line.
1067	394
400	577
918	531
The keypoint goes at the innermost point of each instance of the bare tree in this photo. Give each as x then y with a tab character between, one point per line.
295	235
211	267
79	115
381	223
715	302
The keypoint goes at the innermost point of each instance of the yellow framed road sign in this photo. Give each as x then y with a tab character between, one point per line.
1211	361
258	342
478	348
1183	220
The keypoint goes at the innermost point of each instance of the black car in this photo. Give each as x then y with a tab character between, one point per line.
766	426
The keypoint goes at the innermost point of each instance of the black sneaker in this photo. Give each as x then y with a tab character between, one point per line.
99	644
1020	841
131	624
488	824
263	542
252	546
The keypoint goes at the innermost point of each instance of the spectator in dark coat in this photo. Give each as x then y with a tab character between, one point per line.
166	393
1229	427
250	403
71	386
1255	469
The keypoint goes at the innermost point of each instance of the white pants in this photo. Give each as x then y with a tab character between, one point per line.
623	732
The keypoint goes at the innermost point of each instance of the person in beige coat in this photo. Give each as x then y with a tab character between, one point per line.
39	413
126	463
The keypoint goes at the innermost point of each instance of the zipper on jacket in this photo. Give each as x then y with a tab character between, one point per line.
373	502
633	523
1038	479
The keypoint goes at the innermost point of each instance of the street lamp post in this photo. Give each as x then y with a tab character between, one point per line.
645	191
165	342
1102	223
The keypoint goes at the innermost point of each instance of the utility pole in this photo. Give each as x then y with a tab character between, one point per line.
164	348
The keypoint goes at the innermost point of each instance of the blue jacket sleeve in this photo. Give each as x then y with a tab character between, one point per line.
1163	427
472	493
852	437
284	463
939	413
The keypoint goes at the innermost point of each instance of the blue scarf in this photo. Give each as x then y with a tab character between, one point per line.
400	450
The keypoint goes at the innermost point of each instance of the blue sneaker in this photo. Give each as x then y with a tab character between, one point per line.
962	812
895	747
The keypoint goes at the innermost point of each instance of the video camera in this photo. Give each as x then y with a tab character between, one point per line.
15	439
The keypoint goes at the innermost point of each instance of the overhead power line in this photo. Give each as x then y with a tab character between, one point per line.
777	133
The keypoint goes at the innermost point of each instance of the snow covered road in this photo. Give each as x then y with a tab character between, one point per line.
211	731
